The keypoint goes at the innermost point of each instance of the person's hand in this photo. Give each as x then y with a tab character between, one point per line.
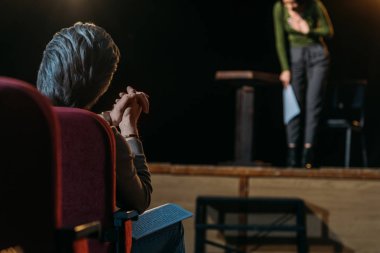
125	100
297	23
142	98
138	103
116	114
303	26
285	77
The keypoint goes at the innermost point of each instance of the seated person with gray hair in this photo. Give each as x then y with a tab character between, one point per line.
77	68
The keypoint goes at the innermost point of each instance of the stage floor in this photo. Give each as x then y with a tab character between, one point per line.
348	204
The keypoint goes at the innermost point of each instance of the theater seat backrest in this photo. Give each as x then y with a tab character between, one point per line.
29	168
88	165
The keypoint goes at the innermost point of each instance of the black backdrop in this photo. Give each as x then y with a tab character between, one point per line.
172	48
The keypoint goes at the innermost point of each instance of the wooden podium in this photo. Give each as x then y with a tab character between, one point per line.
245	81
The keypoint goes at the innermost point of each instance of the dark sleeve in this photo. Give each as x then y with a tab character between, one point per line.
279	34
133	182
324	26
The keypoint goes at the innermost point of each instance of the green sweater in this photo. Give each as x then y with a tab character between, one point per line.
319	22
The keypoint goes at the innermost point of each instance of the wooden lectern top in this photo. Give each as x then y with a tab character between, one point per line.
247	75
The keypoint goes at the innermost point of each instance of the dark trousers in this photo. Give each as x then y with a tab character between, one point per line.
309	68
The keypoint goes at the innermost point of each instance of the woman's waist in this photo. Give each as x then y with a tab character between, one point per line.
304	41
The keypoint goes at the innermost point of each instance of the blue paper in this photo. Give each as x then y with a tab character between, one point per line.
291	106
158	218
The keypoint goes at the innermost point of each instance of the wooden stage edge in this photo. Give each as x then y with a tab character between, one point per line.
265	171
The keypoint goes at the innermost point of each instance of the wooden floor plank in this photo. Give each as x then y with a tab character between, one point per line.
238	171
347	200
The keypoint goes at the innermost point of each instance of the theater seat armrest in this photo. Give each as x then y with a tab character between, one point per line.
66	236
120	216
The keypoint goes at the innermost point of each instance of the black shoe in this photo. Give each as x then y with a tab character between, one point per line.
292	158
308	158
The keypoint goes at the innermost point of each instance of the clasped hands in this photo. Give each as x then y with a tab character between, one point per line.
127	110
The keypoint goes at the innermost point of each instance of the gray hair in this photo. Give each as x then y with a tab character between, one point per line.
78	65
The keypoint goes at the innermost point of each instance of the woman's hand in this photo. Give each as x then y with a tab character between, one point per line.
142	98
138	103
127	106
297	23
285	78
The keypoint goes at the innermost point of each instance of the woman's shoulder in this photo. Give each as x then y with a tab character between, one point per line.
277	4
316	3
277	7
316	6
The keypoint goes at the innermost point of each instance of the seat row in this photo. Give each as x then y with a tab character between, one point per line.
57	177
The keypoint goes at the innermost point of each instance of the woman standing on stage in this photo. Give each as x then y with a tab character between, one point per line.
302	25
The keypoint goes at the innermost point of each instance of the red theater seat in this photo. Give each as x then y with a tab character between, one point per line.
30	175
88	182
